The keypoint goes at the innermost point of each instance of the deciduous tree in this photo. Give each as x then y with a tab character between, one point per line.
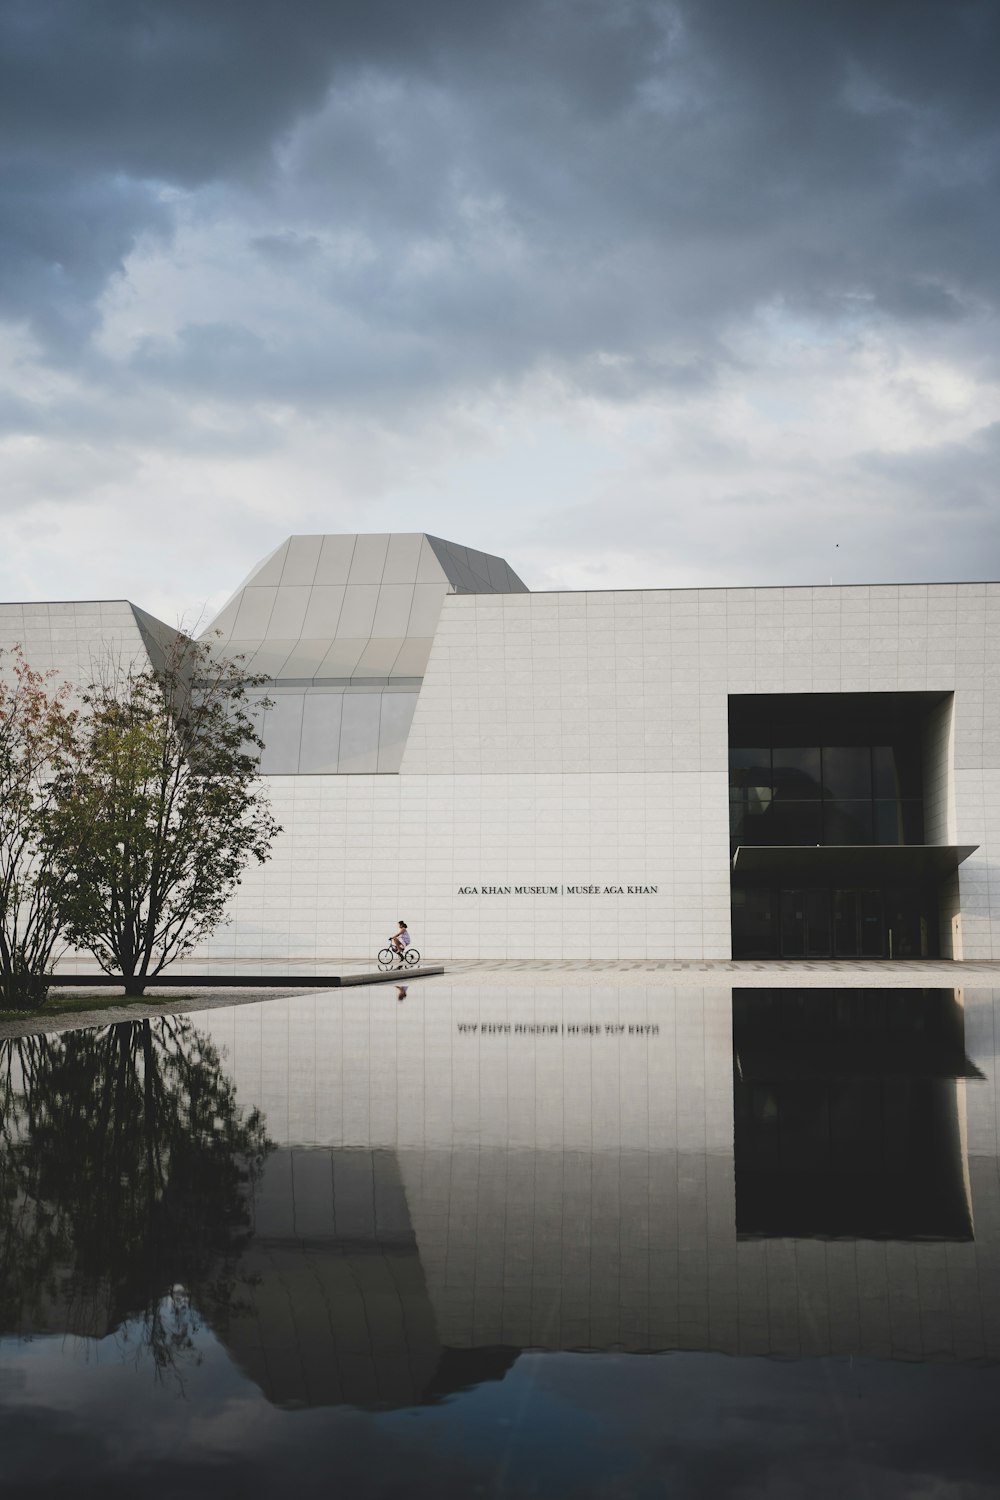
161	810
36	743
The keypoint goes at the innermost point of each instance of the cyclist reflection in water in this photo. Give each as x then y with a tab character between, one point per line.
401	990
400	941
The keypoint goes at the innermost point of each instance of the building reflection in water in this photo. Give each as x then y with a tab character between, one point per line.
586	1171
479	1172
850	1118
336	1307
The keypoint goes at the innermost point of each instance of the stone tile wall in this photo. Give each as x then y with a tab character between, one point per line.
575	740
75	640
581	739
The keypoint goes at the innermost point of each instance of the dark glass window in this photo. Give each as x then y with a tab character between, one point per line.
899	822
749	768
756	826
913	821
749	795
885	771
847	771
896	770
889	822
795	823
847	822
860	784
796	772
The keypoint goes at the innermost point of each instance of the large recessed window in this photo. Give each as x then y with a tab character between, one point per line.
839	774
826	769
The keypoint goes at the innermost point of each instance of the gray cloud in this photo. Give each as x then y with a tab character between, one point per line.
960	478
61	237
220	219
654	169
725	515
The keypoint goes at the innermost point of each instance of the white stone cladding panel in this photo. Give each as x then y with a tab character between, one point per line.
635	684
74	641
939	782
358	852
939	813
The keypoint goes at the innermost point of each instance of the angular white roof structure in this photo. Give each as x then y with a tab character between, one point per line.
342	626
345	609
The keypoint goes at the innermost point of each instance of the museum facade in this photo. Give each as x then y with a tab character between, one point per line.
805	772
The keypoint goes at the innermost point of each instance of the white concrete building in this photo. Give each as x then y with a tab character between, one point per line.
658	773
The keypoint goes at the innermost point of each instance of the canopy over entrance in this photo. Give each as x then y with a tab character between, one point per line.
848	864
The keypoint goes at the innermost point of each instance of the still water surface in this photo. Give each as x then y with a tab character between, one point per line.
491	1242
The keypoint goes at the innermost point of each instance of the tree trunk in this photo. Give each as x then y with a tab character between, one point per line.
135	984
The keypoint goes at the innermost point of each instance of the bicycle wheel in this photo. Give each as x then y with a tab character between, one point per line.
386	958
412	958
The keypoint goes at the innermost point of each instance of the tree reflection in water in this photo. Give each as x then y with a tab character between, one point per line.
126	1174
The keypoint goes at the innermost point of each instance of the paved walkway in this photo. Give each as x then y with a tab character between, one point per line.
677	973
702	973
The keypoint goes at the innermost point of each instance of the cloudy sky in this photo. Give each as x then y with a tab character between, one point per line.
651	292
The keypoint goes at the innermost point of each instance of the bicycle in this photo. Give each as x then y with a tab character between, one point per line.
388	958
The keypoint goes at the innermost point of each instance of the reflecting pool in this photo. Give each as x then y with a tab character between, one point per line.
507	1242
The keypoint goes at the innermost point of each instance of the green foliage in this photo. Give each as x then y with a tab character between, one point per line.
36	752
159	811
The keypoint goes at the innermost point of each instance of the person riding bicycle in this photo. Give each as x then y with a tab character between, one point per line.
400	941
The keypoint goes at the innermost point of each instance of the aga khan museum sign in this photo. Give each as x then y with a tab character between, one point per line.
558	890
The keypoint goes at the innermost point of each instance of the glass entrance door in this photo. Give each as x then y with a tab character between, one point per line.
871	924
846	922
907	921
793	924
805	924
858	924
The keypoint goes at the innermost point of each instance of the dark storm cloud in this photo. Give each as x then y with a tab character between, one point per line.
104	101
61	235
608	177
